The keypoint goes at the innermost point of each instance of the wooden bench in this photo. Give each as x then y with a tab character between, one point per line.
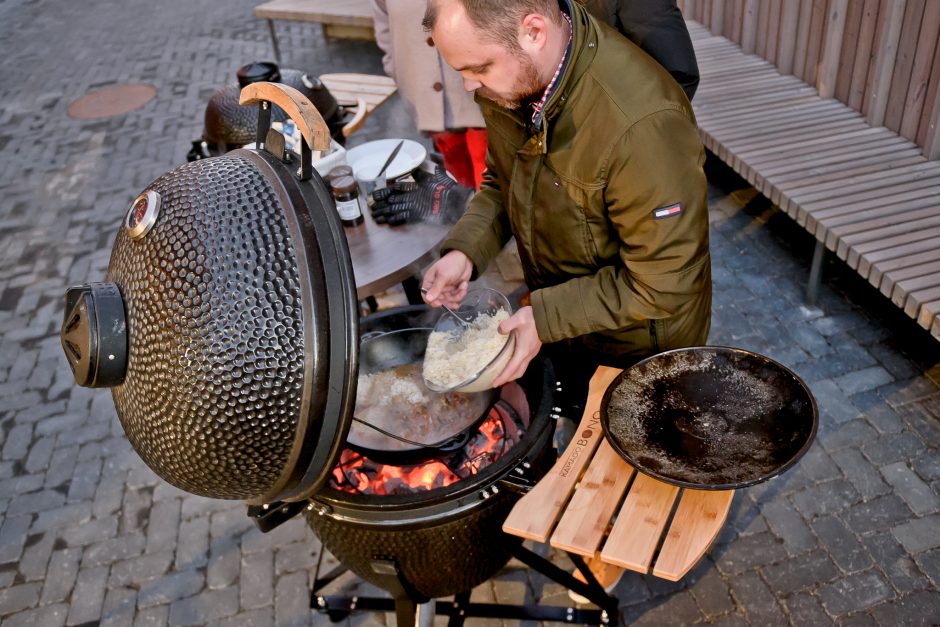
579	506
342	19
865	193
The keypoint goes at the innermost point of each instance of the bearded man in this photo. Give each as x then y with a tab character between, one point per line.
595	166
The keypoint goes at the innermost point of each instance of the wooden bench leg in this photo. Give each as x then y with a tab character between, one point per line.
815	274
277	49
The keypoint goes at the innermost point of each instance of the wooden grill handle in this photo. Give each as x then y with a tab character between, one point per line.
295	105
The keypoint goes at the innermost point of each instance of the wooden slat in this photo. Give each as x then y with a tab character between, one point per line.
773	31
887	35
887	257
861	205
897	258
853	23
698	519
802	37
928	130
929	265
831	48
924	55
880	236
640	523
929	317
814	43
348	88
534	515
587	517
887	243
347	12
895	217
923	290
866	37
750	26
901	77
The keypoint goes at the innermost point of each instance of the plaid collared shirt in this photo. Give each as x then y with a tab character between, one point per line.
538	106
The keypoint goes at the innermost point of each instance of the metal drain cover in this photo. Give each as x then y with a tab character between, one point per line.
110	101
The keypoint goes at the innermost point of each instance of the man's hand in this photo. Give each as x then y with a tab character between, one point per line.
435	198
447	279
528	344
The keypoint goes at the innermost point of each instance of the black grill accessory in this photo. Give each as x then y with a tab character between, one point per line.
709	418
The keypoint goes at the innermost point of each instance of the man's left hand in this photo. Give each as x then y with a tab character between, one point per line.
528	344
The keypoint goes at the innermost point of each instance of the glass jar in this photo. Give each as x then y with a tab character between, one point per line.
346	194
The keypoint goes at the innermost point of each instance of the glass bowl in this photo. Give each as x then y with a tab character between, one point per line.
467	361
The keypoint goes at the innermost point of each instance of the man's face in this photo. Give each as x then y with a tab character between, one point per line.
507	77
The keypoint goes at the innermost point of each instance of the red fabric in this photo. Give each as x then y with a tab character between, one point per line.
464	153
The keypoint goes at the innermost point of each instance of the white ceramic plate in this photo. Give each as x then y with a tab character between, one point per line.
366	159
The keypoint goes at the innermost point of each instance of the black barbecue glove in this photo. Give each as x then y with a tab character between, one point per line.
434	198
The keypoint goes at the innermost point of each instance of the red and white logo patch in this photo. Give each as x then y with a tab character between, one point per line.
667	211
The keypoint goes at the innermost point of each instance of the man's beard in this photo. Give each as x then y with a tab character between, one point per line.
529	87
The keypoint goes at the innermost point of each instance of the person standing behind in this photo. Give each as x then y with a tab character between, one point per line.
442	108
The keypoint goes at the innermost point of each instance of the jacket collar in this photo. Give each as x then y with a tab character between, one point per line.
583	49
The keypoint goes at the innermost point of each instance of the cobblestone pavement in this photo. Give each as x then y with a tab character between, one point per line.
89	535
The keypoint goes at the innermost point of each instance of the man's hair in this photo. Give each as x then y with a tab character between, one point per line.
498	20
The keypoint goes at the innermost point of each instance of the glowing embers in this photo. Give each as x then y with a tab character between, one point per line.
499	432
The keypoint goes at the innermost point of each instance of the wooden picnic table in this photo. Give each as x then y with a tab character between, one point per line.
342	19
594	504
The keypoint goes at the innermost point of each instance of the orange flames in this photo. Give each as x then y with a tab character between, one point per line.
358	474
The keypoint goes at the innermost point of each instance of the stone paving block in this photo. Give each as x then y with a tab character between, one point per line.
16	444
229	523
163	525
899	447
711	592
224	562
879	514
825	498
262	617
17	486
851	434
749	552
109	495
919	608
84	481
207	606
842	545
800	573
805	609
292	599
173	587
864	476
65	516
17	598
256	585
857	591
858	619
13	535
64	563
120	605
906	391
95	530
88	595
32	503
48	616
680	609
38	549
863	380
142	569
903	573
759	604
929	563
39	454
917	494
921	534
832	402
123	547
192	546
787	524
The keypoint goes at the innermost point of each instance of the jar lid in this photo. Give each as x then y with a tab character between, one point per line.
343	184
338	171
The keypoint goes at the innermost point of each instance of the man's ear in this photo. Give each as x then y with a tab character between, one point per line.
533	34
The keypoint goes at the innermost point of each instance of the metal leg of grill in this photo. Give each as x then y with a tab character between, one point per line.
411	611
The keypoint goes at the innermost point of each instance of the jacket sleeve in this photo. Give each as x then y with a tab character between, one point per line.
663	251
383	36
483	229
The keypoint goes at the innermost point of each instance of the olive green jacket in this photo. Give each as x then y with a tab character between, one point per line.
591	198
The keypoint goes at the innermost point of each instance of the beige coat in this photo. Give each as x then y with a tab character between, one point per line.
425	81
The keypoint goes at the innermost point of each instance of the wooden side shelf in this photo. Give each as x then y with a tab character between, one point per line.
593	503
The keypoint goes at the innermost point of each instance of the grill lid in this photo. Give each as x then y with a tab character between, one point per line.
228	325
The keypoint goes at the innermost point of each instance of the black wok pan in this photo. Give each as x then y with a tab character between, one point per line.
711	417
397	419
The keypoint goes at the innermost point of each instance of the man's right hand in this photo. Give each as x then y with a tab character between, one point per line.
447	279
